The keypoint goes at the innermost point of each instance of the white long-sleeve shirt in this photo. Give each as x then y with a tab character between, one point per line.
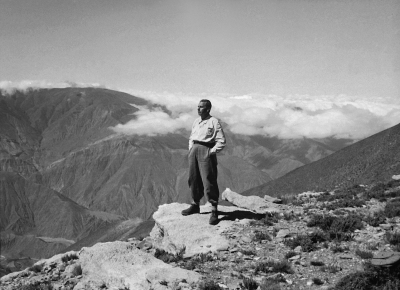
208	130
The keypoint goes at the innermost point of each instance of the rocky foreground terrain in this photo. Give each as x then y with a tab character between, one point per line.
343	239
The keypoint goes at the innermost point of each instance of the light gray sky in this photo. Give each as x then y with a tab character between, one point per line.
274	47
286	48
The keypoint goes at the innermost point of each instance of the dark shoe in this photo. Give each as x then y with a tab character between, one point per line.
213	218
194	208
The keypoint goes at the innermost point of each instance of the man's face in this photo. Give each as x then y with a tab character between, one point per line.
202	109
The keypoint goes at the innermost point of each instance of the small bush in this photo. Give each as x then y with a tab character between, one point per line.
392	209
46	285
267	284
345	203
261	236
306	243
376	218
69	257
203	257
371	279
209	285
364	254
282	266
168	257
249	283
191	265
337	248
393	238
248	252
339	229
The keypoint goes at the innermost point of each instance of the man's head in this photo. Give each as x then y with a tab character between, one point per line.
204	108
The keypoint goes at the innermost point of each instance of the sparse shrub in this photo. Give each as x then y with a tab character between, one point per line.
250	283
392	209
364	254
288	216
191	265
36	268
46	285
290	199
261	236
337	228
317	263
347	202
69	257
337	248
164	283
306	243
209	285
248	252
168	257
317	281
282	266
330	269
290	254
393	238
268	284
373	278
203	257
376	218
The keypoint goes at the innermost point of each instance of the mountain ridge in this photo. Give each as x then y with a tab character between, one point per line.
371	160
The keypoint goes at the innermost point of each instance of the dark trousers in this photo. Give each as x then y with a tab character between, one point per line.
203	174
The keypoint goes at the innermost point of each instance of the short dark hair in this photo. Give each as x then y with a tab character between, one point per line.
208	103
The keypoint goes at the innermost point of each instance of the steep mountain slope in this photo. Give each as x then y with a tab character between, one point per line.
69	178
374	159
38	221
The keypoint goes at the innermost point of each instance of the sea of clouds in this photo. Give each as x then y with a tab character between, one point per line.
293	116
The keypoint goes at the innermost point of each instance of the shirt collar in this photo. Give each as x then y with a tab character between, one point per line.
207	118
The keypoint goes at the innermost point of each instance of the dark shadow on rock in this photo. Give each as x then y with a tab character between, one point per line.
237	214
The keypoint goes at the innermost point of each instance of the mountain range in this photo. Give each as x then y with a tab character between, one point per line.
68	179
369	161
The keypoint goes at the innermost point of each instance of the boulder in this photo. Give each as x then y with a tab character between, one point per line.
121	264
385	259
254	203
173	232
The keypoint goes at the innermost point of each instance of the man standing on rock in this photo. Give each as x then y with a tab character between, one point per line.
206	140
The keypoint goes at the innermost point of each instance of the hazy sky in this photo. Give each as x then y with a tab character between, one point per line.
317	48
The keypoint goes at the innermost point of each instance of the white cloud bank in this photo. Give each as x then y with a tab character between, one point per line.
9	87
154	122
285	117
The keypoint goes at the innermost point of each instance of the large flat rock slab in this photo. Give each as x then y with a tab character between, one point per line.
172	231
121	264
253	203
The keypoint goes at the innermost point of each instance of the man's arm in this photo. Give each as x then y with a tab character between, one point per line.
191	138
220	140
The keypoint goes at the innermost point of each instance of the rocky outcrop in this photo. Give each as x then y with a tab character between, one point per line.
253	203
114	265
121	264
174	232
